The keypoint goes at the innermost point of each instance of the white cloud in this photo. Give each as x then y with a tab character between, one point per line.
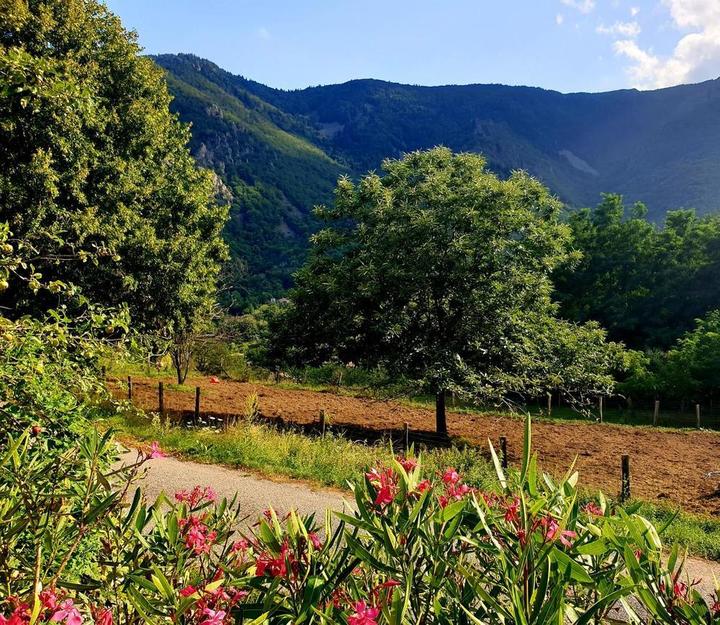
263	33
629	30
696	55
584	6
559	19
634	11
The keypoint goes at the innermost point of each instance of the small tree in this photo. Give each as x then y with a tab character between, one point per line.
692	367
432	271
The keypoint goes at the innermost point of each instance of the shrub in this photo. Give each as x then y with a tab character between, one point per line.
415	549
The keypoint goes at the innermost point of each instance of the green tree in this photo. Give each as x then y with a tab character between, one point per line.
645	284
432	271
692	366
95	175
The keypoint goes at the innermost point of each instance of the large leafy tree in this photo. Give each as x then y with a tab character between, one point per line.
95	168
438	270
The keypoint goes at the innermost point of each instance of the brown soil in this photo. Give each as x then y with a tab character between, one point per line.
666	466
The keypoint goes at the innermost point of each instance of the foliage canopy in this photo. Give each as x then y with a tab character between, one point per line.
95	175
437	270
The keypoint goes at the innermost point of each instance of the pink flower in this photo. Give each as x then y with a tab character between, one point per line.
197	536
315	540
512	512
363	615
239	545
274	567
458	491
68	613
196	495
385	483
716	606
594	509
384	496
408	464
552	531
451	476
48	599
373	476
155	451
213	617
15	618
104	617
565	535
680	590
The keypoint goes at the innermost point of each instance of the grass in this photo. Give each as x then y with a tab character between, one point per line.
335	461
332	461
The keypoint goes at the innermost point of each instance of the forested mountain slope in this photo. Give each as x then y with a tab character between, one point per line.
279	152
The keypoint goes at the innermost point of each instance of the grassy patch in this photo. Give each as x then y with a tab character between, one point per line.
334	461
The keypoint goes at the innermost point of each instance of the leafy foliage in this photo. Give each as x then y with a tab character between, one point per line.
441	271
95	176
644	284
413	549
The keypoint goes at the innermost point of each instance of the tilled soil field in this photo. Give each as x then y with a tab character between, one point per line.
666	466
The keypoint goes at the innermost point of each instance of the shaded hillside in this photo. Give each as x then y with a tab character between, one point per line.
271	173
280	152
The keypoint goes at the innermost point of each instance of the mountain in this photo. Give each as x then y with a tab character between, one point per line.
270	169
280	152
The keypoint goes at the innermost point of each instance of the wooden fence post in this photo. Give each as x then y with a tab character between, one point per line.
196	416
161	397
129	388
407	436
625	479
697	414
600	406
656	412
322	422
549	404
503	452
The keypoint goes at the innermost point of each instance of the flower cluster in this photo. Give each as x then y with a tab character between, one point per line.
54	608
455	489
212	606
548	524
276	565
385	483
364	611
198	538
196	496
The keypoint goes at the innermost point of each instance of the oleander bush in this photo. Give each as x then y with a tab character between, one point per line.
80	544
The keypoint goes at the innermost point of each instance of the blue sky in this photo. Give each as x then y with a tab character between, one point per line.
568	45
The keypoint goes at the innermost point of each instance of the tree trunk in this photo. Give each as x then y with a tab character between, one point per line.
181	354
440	416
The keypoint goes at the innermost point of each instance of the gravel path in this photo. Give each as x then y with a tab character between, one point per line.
256	494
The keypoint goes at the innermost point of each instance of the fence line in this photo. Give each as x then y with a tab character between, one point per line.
405	439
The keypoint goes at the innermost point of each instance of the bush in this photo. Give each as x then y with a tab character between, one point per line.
416	549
